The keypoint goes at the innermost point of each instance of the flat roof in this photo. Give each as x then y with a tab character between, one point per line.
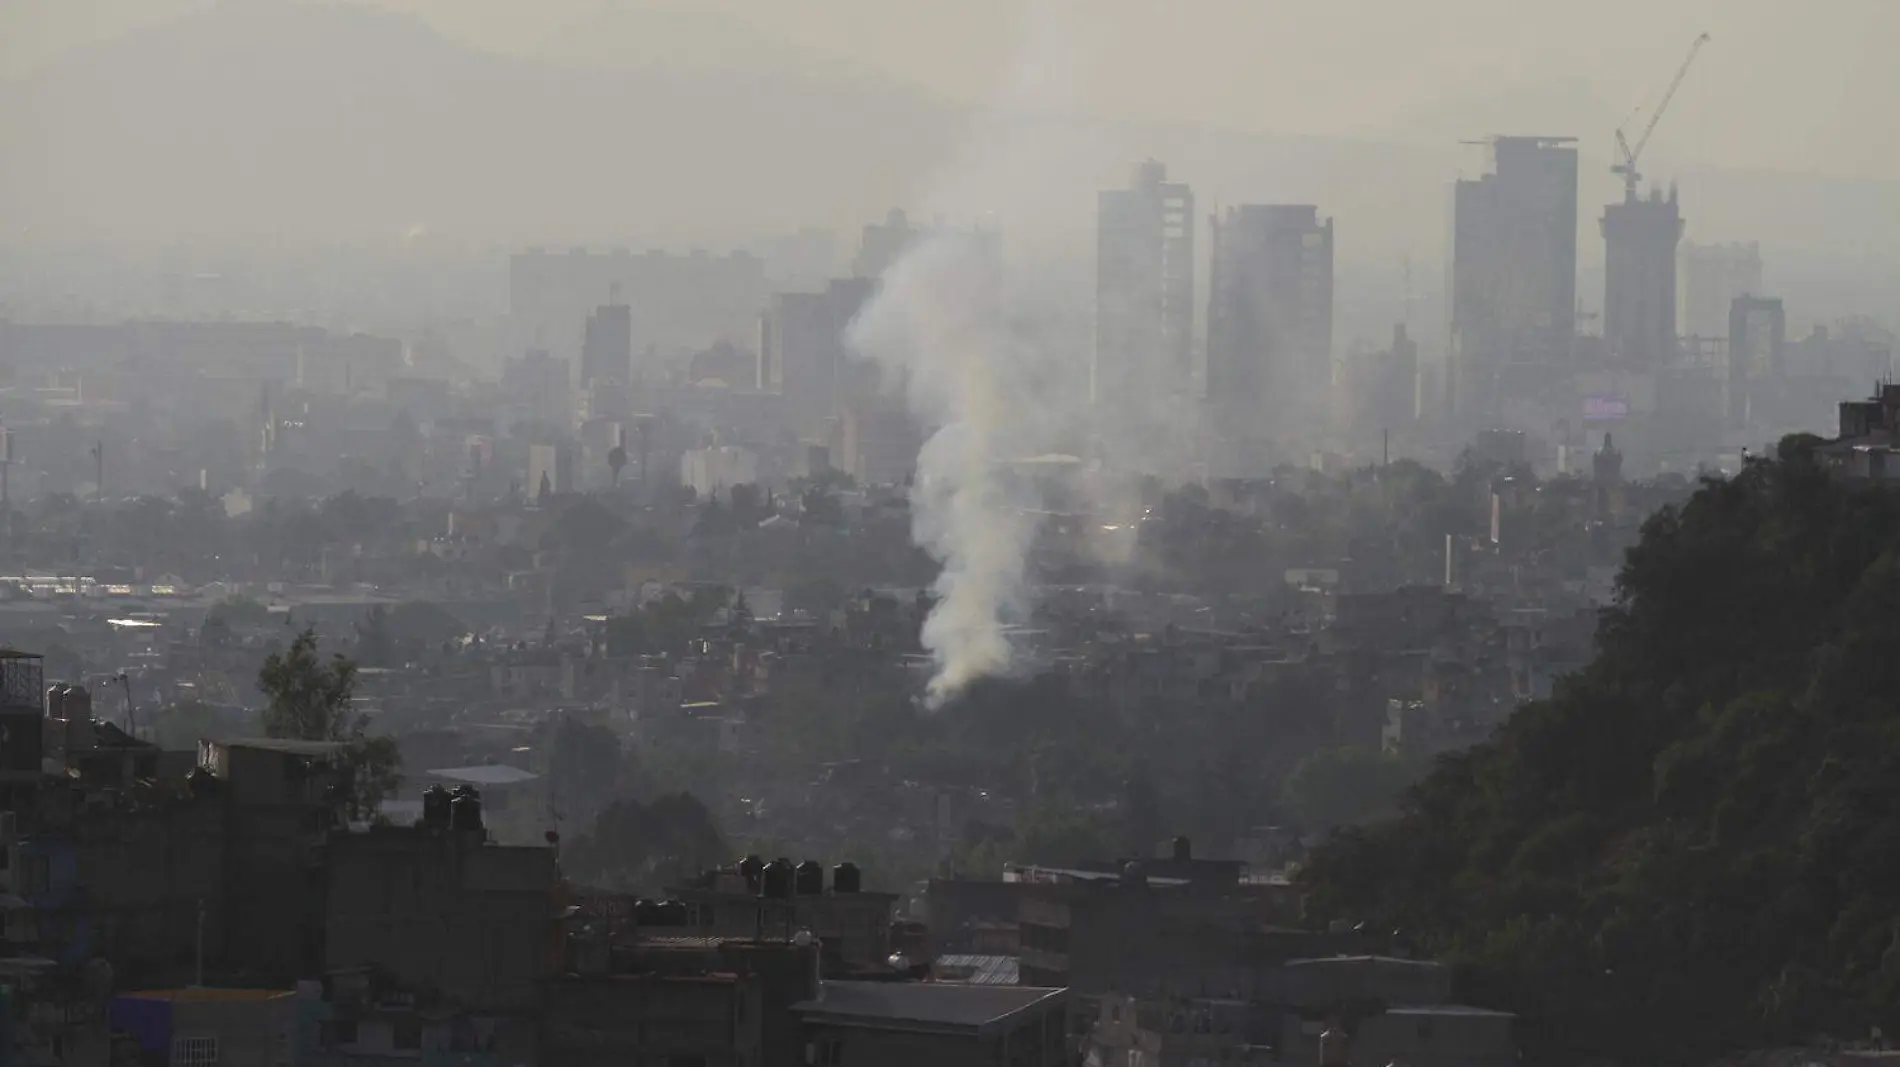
1034	874
485	774
708	942
191	994
1464	1010
1388	961
939	1004
288	746
982	970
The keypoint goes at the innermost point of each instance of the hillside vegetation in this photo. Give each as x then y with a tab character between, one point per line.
1694	846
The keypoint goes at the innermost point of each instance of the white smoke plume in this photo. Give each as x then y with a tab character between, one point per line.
977	341
941	325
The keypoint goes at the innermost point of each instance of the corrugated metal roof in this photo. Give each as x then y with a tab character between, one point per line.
970	969
485	774
930	1003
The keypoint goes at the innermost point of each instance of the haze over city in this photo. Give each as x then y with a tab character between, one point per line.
1014	533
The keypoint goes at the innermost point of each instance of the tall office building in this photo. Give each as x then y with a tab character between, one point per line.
538	386
607	346
1144	289
1712	277
1639	278
1757	338
1269	318
803	355
1514	268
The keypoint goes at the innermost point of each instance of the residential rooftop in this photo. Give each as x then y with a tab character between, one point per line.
286	745
490	774
981	1008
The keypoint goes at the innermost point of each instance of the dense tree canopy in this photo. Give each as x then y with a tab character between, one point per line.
310	701
1334	786
1695	844
642	847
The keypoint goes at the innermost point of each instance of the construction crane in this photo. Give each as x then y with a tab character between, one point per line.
1627	168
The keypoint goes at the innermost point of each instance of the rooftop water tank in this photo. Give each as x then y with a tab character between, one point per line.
776	880
809	878
846	878
465	811
751	867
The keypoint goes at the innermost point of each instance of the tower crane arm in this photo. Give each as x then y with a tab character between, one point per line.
1627	168
1663	104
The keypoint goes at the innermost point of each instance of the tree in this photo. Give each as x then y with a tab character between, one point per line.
1061	837
1336	786
1691	847
584	527
640	847
586	768
310	701
374	645
747	504
235	611
617	462
627	635
714	520
819	507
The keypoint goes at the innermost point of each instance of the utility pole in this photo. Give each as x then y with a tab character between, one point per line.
99	470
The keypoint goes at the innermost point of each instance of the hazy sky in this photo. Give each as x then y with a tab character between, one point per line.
1784	86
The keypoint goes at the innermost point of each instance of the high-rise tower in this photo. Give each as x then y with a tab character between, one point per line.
1269	317
1144	289
1639	278
1514	267
607	347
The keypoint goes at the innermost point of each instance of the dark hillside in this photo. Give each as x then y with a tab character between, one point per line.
1695	845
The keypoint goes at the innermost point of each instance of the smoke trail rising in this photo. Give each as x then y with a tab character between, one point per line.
941	326
963	337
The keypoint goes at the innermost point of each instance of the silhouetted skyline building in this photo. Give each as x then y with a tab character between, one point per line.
1269	317
1514	267
1385	386
607	345
1144	289
803	354
1640	236
1757	336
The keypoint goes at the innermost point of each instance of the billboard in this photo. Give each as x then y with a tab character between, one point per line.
1605	409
